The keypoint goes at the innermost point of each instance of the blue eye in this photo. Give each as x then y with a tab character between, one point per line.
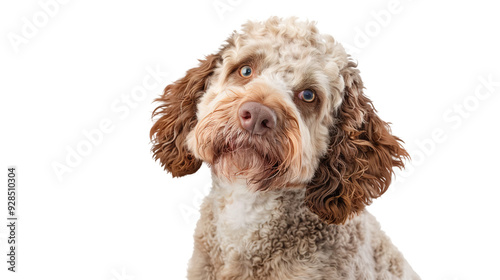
307	95
246	71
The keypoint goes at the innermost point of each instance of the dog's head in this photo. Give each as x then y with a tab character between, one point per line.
280	105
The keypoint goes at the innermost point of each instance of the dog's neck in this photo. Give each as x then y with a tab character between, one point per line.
240	211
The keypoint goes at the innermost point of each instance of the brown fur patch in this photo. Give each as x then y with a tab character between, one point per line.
361	155
177	116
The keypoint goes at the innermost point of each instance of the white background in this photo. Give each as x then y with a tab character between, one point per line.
115	214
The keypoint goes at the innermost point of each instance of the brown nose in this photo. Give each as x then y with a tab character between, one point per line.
257	118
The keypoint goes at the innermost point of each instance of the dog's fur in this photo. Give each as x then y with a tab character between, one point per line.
287	204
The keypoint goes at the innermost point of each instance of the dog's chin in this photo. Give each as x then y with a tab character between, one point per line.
260	171
265	163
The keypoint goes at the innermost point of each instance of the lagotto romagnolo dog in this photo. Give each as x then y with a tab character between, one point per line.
296	151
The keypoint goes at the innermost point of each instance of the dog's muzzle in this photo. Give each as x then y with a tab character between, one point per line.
257	118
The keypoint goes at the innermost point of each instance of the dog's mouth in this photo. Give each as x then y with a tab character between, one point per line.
265	161
242	142
260	171
261	160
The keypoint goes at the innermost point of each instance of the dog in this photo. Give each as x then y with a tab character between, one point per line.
296	152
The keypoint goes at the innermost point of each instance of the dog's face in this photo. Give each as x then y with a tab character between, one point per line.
280	106
266	110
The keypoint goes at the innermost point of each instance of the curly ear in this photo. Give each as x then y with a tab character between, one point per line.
361	155
177	117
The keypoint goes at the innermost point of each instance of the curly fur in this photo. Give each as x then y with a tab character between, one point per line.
177	117
288	204
360	158
281	239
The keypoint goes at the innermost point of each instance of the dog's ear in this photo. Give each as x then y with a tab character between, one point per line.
361	155
177	117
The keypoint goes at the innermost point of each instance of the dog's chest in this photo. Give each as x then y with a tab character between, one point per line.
240	212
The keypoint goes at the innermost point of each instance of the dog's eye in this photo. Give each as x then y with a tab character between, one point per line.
246	71
307	95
